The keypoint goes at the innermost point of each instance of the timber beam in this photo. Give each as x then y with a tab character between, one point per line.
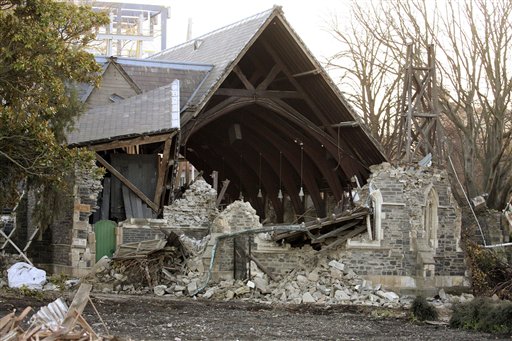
127	183
146	139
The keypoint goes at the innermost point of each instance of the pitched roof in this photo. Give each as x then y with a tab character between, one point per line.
148	112
221	48
152	78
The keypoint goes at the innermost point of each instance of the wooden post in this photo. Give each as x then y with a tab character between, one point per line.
162	171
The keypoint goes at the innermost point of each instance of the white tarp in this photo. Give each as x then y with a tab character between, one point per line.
24	274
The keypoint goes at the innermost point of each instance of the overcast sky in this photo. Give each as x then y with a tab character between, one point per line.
306	17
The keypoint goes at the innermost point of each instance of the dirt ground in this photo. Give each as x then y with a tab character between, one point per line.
161	318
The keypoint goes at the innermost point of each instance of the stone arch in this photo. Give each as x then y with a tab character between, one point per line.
430	216
376	198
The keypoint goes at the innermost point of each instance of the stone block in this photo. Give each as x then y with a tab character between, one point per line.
82	207
79	242
81	225
337	265
159	290
308	298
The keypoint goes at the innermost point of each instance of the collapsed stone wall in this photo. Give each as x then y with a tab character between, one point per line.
196	209
417	246
191	216
414	243
236	217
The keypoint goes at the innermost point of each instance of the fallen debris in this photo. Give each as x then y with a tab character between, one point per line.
53	322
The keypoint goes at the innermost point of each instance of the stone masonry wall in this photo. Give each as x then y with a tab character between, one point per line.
192	216
69	245
408	247
238	216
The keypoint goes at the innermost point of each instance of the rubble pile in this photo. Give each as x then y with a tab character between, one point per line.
197	207
56	321
328	283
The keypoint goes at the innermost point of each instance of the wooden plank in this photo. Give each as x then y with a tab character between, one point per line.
22	254
32	236
334	233
269	78
127	183
75	309
136	206
343	239
79	302
127	203
105	204
8	237
225	185
131	142
258	93
6	319
243	78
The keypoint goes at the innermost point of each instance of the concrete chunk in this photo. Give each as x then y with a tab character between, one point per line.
389	295
308	298
159	290
337	265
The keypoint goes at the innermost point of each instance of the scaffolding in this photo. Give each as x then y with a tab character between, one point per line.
420	134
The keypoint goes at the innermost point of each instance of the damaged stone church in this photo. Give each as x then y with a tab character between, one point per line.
279	149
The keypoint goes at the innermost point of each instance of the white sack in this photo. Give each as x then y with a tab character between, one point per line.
25	274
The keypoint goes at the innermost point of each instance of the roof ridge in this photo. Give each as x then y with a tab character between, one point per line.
134	61
206	35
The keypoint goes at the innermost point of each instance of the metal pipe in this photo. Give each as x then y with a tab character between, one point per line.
497	245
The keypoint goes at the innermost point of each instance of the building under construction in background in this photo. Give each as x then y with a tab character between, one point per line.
133	31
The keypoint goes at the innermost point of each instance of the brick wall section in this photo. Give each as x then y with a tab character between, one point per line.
136	230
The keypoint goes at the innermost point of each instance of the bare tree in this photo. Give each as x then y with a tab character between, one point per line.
473	41
368	76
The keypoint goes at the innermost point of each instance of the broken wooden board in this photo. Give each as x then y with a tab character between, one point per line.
139	249
333	220
9	325
345	237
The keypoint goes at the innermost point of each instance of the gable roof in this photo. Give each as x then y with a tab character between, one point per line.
267	83
121	119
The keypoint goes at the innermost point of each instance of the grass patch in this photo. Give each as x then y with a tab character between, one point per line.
483	314
422	310
59	281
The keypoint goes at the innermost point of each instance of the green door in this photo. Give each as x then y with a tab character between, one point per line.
105	231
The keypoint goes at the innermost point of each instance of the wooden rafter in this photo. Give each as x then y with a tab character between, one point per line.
319	113
243	78
258	93
140	140
125	75
318	159
269	78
